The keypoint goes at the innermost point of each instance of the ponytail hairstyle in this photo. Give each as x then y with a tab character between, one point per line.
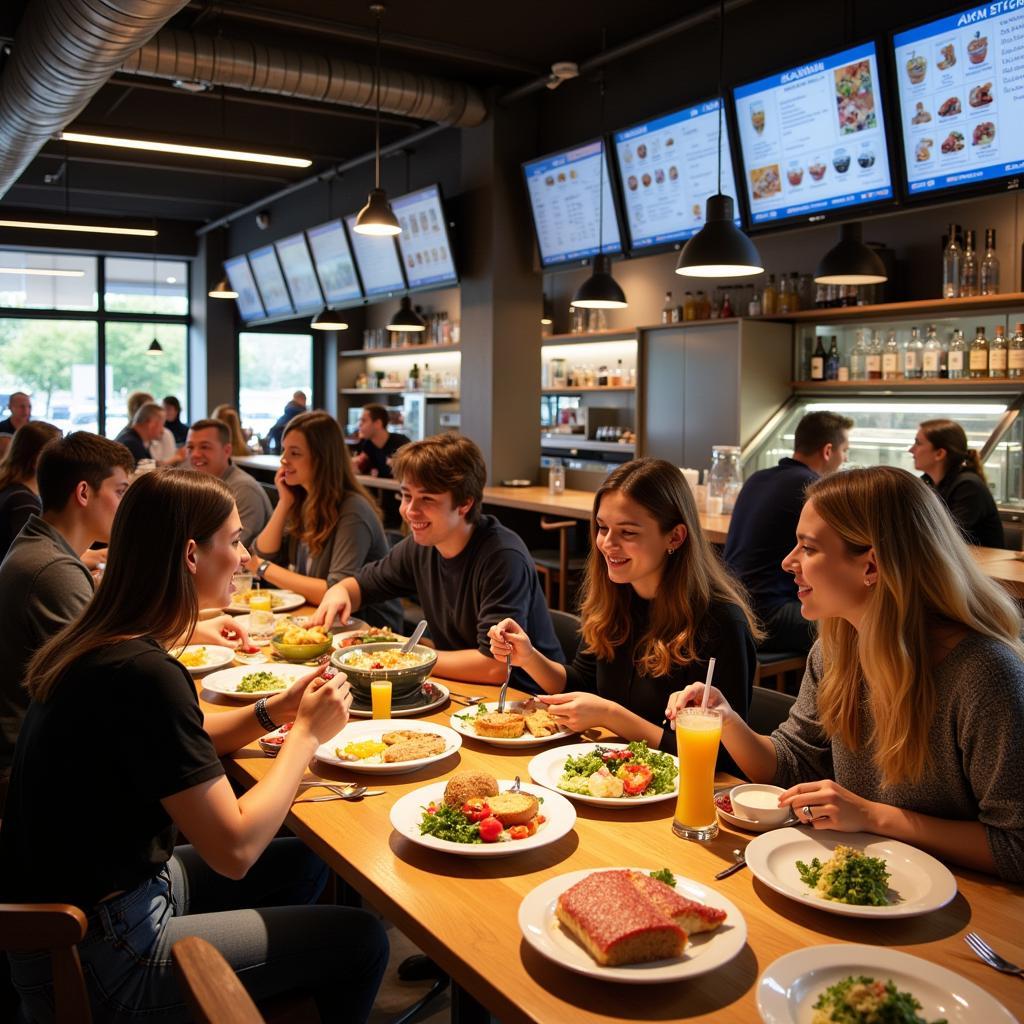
950	436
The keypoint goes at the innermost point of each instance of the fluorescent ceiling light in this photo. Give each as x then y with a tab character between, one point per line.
41	272
99	229
213	152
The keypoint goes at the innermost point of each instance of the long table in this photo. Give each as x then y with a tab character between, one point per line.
463	912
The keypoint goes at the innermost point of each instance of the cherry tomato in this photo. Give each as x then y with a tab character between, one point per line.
635	778
490	830
476	809
519	832
616	755
431	808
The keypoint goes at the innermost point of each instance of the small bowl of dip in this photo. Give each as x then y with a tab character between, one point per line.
759	802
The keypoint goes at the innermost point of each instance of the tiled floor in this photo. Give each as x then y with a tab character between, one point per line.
395	995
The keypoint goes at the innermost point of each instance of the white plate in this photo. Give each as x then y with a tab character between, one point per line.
704	952
546	769
216	657
406	710
745	823
407	813
465	726
374	729
923	884
246	621
289	602
354	627
789	987
226	681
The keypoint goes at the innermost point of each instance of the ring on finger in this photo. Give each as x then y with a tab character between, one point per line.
808	812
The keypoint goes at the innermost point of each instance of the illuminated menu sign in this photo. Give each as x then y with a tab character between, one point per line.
299	272
250	305
377	259
270	280
426	250
334	264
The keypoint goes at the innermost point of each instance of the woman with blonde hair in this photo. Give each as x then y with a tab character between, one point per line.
229	416
657	604
957	476
325	525
908	719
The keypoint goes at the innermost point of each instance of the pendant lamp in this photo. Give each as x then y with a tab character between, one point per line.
719	249
850	261
222	290
377	217
328	320
406	319
155	348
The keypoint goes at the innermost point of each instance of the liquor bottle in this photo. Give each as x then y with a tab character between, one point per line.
667	309
703	305
427	378
832	362
978	355
951	265
784	300
602	376
968	267
818	362
990	265
932	362
955	358
874	357
1015	354
726	306
891	358
770	300
794	292
913	353
997	354
414	378
689	307
618	375
859	358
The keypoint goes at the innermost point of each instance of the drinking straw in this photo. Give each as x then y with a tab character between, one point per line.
707	684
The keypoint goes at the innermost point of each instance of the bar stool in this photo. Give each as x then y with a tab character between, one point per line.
557	563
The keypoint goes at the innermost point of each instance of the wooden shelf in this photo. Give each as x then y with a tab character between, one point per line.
447	395
608	334
919	307
694	323
586	390
362	353
990	385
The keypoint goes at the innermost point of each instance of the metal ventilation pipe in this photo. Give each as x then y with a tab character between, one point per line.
257	68
64	51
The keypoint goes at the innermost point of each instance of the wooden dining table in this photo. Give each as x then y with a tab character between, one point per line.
463	911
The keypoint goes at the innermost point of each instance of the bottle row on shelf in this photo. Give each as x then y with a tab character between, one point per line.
440	330
417	380
559	374
965	271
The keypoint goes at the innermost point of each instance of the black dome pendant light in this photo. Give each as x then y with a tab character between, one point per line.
850	261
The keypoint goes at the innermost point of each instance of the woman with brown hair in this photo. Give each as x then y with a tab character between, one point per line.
19	495
229	416
908	719
956	474
657	605
325	526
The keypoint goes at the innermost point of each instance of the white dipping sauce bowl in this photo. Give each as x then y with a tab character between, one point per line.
758	801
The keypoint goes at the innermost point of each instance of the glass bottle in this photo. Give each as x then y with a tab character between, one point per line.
414	377
726	306
859	358
807	291
794	292
874	357
817	370
724	480
968	267
618	375
912	355
689	307
666	310
784	299
427	378
770	300
997	354
932	362
978	355
891	358
990	265
955	357
951	265
1015	354
832	362
754	307
703	306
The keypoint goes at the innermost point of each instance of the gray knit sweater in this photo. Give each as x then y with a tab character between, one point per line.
977	769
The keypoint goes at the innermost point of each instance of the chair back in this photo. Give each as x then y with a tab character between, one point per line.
567	629
768	710
210	987
54	928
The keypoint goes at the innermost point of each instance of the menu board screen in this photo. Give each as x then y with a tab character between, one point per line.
377	259
426	250
961	89
813	138
669	167
565	195
270	280
299	273
334	264
250	305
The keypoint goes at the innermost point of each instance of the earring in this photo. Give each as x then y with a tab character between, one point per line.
869	583
671	550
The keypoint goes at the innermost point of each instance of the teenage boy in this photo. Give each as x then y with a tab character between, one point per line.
466	569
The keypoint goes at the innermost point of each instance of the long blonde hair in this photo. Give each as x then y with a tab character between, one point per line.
926	577
692	579
229	417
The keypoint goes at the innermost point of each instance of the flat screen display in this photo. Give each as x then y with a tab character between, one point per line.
565	196
334	264
270	281
813	139
300	273
377	260
961	99
668	167
424	244
250	305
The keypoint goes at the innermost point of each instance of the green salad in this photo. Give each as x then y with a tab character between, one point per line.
862	1000
633	771
444	822
257	682
848	876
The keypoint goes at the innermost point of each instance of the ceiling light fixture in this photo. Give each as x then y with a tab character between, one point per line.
377	217
41	272
328	320
99	229
155	348
222	290
211	152
719	249
406	319
850	261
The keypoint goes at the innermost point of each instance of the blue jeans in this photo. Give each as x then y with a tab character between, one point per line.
335	953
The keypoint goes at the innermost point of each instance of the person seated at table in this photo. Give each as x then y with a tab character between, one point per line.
106	683
19	493
957	476
466	570
208	446
763	522
163	449
229	416
147	425
374	452
173	421
325	526
275	436
908	720
657	604
20	407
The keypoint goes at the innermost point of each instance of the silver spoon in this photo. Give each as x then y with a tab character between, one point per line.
421	628
741	862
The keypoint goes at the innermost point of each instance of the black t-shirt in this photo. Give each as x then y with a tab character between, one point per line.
972	507
7	426
122	730
178	430
133	443
462	597
379	456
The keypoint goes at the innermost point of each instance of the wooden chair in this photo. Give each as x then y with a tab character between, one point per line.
54	928
778	667
557	563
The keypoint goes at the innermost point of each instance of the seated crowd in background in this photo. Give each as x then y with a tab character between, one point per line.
20	407
19	492
276	433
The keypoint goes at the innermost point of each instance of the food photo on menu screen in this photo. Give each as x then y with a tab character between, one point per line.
961	90
813	138
334	264
426	250
250	305
566	198
270	280
299	273
377	260
668	167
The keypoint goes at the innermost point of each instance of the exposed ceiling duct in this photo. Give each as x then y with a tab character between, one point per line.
253	67
64	51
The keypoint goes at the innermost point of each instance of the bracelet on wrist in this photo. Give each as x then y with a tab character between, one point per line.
263	716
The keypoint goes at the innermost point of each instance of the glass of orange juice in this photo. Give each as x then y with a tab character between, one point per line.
260	601
380	698
698	733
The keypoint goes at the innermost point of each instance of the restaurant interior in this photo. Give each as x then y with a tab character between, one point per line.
592	240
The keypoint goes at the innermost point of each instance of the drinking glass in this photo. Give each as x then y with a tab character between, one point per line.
242	582
261	626
380	698
698	733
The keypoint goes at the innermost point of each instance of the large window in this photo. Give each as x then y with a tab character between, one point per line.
132	367
145	286
271	368
30	280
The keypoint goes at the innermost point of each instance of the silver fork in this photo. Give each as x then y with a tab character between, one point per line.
986	953
504	688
